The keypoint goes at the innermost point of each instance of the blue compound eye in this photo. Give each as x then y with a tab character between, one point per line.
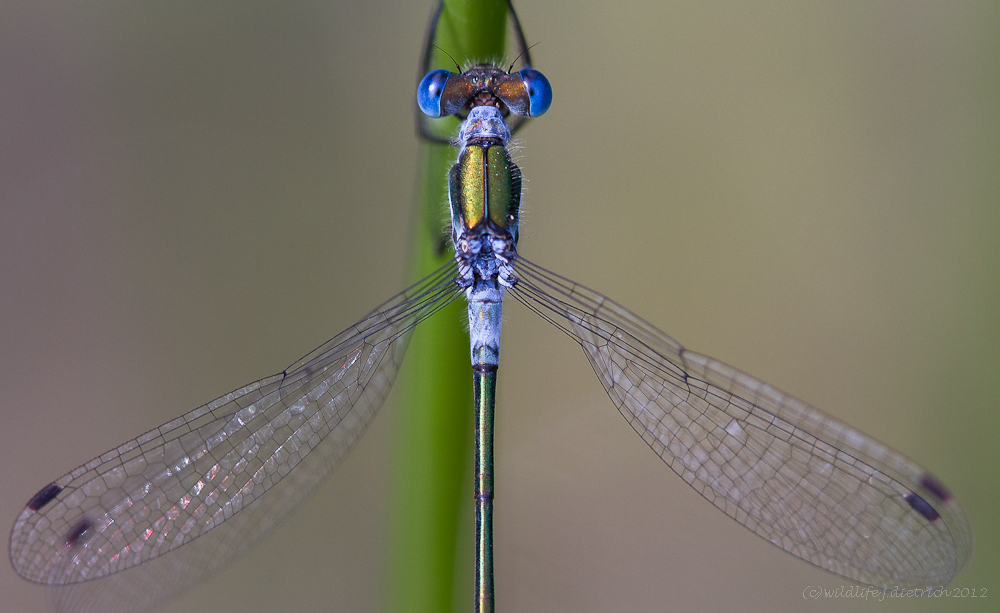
430	91
538	89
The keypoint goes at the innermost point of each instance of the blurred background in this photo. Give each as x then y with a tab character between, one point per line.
194	194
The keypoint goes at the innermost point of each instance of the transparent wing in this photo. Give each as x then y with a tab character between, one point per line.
219	477
796	477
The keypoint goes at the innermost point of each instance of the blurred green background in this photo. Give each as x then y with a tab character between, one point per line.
194	194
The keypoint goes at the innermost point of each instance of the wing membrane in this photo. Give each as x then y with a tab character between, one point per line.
796	477
219	477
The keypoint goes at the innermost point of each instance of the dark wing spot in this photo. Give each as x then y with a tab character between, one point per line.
44	496
922	506
935	487
73	536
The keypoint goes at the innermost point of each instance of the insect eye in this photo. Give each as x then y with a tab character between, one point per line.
539	91
430	91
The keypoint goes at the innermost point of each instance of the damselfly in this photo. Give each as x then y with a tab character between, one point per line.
801	480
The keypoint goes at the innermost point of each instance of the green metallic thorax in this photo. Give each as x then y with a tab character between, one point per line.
485	190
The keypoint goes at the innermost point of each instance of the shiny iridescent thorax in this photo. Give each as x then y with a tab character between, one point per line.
484	189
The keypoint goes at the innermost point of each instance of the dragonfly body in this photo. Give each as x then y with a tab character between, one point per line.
484	189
